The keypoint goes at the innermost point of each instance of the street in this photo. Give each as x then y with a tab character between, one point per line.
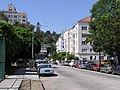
68	78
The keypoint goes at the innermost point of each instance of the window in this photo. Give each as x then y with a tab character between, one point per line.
84	27
23	16
10	9
84	50
90	57
84	59
91	43
15	16
76	28
84	43
15	20
76	35
23	20
90	49
84	35
73	48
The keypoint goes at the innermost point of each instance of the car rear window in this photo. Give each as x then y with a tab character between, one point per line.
45	66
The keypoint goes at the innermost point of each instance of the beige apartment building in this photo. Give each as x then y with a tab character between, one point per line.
14	16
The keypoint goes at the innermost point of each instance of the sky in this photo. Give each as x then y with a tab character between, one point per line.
53	15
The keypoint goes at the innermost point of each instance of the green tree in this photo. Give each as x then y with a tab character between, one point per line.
105	28
18	42
3	17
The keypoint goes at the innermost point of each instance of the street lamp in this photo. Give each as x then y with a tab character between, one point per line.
33	44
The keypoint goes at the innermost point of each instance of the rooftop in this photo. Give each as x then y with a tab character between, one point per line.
86	19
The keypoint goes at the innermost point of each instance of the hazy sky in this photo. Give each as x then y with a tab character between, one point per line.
57	15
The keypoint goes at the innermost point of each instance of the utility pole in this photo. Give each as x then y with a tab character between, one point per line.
33	44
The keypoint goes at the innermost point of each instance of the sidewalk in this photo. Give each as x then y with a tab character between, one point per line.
20	78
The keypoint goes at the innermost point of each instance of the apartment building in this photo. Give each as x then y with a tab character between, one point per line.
15	16
60	44
81	48
75	41
67	41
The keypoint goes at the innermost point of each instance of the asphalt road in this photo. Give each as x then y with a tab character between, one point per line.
68	78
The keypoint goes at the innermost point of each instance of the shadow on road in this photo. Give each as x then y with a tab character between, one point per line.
54	67
54	75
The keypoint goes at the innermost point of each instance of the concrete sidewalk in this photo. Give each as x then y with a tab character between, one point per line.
13	82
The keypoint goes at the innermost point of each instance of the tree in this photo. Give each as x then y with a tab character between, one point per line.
3	17
105	28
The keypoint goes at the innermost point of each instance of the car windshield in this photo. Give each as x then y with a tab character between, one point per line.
45	66
94	64
42	62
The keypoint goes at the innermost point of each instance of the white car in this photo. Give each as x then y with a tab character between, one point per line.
71	64
45	69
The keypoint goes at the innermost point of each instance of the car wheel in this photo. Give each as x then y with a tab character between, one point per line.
113	72
101	71
107	72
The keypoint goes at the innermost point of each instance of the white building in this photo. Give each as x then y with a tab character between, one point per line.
14	16
67	41
81	48
75	41
60	44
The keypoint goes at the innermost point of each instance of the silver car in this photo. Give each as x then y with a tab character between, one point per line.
46	69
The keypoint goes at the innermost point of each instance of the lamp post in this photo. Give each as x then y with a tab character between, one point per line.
32	44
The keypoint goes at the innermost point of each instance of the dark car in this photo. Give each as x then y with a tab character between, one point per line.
89	66
116	70
106	68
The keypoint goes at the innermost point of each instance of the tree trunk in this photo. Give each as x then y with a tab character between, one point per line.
117	60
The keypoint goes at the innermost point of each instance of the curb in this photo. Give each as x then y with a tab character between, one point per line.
42	85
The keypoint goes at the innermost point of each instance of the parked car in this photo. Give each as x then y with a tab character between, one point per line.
71	64
82	66
116	70
76	65
46	69
96	67
107	68
64	64
89	66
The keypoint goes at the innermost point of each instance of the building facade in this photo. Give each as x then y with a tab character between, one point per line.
75	41
14	16
60	44
67	41
84	49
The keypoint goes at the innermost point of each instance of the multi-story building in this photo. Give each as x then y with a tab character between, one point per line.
14	16
79	46
67	41
60	44
75	41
